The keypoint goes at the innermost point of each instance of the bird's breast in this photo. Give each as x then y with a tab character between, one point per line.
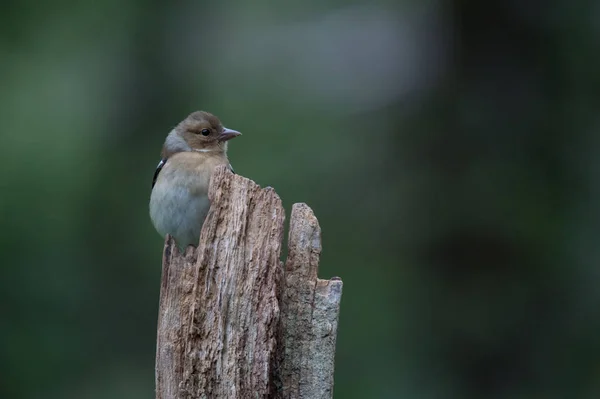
179	200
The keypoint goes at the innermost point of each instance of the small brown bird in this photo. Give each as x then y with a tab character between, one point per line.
179	200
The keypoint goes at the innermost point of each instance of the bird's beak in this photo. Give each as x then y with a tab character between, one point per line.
228	134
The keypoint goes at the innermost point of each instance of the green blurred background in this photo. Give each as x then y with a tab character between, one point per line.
449	149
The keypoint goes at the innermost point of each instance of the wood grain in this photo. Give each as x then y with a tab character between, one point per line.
220	330
310	309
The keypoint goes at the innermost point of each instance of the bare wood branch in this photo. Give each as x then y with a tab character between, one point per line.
219	329
218	315
310	309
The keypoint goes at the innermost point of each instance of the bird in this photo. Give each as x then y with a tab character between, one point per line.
179	199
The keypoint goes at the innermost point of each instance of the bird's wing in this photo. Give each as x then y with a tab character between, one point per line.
158	169
231	169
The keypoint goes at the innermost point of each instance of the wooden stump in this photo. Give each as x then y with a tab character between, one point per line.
231	323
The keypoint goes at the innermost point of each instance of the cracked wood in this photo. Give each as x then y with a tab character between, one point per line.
221	333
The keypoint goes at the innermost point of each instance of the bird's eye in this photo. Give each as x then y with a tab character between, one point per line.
205	132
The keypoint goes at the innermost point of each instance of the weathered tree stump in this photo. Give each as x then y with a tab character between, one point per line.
233	321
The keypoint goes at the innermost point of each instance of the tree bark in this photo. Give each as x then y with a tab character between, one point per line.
230	324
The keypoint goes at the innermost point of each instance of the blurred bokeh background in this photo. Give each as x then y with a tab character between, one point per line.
451	151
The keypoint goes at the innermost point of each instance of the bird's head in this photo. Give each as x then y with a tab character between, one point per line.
200	131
